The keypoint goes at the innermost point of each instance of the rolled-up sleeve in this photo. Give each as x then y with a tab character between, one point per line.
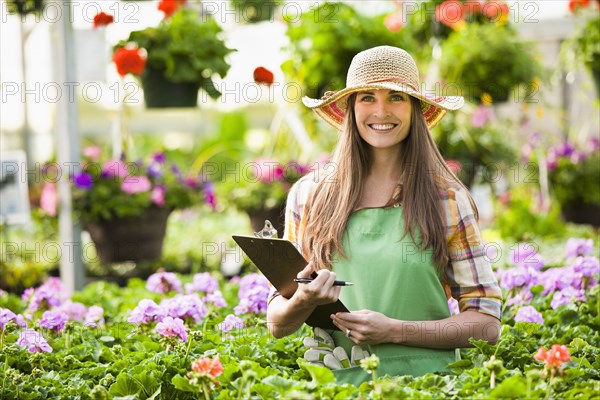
470	277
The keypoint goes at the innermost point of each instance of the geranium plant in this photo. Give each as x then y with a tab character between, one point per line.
185	47
108	189
574	173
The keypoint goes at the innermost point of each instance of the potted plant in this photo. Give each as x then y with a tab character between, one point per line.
574	175
125	205
183	53
261	190
488	62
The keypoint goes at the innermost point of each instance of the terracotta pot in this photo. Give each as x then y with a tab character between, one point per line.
130	239
159	92
276	215
581	213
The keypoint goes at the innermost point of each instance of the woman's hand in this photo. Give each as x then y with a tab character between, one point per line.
320	291
366	327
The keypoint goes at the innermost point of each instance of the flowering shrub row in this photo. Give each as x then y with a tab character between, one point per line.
183	337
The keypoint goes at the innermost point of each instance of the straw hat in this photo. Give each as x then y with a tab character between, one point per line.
382	67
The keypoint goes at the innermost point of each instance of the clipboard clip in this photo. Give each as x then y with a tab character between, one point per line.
268	231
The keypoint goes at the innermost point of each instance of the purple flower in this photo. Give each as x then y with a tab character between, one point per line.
579	247
94	316
231	322
210	195
202	282
184	306
54	319
83	180
159	157
177	172
216	298
577	157
565	149
593	144
519	299
146	311
34	341
163	282
50	294
74	311
588	267
529	314
557	279
115	168
566	296
154	170
518	277
253	294
172	327
7	316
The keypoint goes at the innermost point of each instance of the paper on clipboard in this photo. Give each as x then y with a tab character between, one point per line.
280	262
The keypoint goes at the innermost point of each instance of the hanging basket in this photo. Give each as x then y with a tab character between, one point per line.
159	92
276	215
130	239
579	212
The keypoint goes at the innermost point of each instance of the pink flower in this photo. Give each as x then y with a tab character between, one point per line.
116	168
94	316
34	341
172	327
481	116
136	184
49	199
158	195
267	171
163	282
92	152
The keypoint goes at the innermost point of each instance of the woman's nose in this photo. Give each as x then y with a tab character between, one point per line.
381	109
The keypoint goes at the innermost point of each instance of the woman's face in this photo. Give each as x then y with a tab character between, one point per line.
383	117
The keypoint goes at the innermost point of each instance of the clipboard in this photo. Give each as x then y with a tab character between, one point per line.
280	262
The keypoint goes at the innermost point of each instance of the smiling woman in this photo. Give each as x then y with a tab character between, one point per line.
396	221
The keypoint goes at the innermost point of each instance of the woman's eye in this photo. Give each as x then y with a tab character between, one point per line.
397	97
367	97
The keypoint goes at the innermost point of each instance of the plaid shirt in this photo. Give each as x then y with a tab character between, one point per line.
470	278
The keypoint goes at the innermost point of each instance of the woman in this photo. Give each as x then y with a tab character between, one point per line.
392	218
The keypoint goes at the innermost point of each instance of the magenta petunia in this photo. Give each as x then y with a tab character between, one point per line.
115	168
136	184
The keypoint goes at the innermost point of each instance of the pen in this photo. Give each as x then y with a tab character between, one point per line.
335	283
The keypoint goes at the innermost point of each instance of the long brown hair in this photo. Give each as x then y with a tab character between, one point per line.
425	175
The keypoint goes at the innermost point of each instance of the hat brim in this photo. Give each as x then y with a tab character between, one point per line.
332	108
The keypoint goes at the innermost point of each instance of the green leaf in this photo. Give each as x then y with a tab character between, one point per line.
124	386
320	375
183	384
514	387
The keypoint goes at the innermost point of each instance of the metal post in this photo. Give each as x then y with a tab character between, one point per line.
68	148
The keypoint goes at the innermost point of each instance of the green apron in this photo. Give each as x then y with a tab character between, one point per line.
393	277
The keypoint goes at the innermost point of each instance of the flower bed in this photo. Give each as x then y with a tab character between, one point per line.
198	337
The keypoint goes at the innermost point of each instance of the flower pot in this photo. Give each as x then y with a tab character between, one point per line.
579	212
159	92
275	214
130	239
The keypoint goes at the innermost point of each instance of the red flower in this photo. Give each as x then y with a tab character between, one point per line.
574	5
394	21
474	6
263	75
207	366
129	60
496	10
103	19
170	6
553	358
451	13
